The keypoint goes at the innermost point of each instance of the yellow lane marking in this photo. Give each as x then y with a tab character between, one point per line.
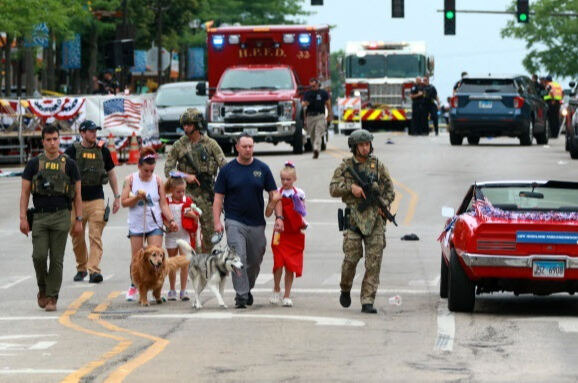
159	344
412	202
65	320
396	202
338	153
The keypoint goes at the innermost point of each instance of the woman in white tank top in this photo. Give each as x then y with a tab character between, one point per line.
143	193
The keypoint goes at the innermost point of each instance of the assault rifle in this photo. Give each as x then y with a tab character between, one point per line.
372	197
204	179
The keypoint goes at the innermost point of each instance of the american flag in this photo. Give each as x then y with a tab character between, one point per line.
120	111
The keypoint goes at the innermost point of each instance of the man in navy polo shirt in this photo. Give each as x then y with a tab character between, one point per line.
239	188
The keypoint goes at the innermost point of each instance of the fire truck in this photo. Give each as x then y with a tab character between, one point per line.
381	75
257	75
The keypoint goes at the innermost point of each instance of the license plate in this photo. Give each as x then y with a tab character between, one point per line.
548	269
485	104
251	131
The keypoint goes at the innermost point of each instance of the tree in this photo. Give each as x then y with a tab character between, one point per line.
551	39
337	80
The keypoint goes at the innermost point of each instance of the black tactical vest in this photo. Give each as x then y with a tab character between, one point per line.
51	179
91	165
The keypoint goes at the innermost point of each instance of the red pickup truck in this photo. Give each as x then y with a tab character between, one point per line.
257	75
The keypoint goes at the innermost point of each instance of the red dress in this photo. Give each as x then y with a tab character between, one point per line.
289	252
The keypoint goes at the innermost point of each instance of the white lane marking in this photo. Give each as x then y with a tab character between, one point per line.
446	329
41	345
31	371
26	336
320	321
263	279
8	285
562	162
319	200
29	318
336	291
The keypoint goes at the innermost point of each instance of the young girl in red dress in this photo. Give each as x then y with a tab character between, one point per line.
288	245
186	216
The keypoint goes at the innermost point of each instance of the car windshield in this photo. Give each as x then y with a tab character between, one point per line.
179	96
487	85
379	66
260	79
528	198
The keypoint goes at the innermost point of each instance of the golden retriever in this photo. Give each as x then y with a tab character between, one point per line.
150	268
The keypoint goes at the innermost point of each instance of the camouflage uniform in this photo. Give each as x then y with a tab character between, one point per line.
367	226
208	158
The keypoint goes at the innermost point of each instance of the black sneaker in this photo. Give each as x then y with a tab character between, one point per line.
250	299
345	299
95	278
80	276
241	304
368	309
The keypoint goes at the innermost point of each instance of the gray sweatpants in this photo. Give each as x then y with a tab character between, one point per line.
250	244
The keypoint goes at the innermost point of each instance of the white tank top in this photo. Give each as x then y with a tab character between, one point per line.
136	214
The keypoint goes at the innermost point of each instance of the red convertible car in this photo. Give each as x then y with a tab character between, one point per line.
519	236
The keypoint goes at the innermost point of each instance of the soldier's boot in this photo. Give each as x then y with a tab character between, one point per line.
345	299
368	309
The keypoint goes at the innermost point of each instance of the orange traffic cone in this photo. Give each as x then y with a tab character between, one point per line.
133	153
112	149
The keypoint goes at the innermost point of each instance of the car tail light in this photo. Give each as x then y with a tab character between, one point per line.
518	102
454	101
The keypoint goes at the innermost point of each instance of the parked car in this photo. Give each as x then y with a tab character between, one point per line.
510	236
571	121
491	106
171	101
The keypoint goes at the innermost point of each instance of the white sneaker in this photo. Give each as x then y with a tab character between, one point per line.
287	302
172	295
131	294
275	298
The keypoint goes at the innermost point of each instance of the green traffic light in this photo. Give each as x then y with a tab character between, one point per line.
450	15
523	17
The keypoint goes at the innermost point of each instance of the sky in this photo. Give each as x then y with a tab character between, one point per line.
477	47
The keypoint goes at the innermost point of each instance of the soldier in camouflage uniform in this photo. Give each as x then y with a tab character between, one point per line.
199	157
366	227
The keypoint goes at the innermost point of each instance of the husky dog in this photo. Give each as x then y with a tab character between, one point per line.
210	270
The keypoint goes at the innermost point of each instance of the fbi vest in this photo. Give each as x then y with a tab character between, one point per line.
91	165
51	179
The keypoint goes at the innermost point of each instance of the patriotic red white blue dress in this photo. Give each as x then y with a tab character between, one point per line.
289	252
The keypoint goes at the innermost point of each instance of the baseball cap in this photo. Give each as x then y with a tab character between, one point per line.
88	125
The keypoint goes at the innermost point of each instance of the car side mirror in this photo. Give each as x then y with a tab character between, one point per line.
448	212
201	89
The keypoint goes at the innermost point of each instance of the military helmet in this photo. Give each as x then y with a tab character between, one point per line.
192	116
359	136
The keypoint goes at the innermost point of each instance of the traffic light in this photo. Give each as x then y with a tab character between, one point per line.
397	9
449	17
316	2
523	11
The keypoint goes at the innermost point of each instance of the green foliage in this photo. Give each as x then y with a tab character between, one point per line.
337	80
551	40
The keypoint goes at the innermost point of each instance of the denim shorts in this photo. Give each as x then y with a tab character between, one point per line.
149	234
